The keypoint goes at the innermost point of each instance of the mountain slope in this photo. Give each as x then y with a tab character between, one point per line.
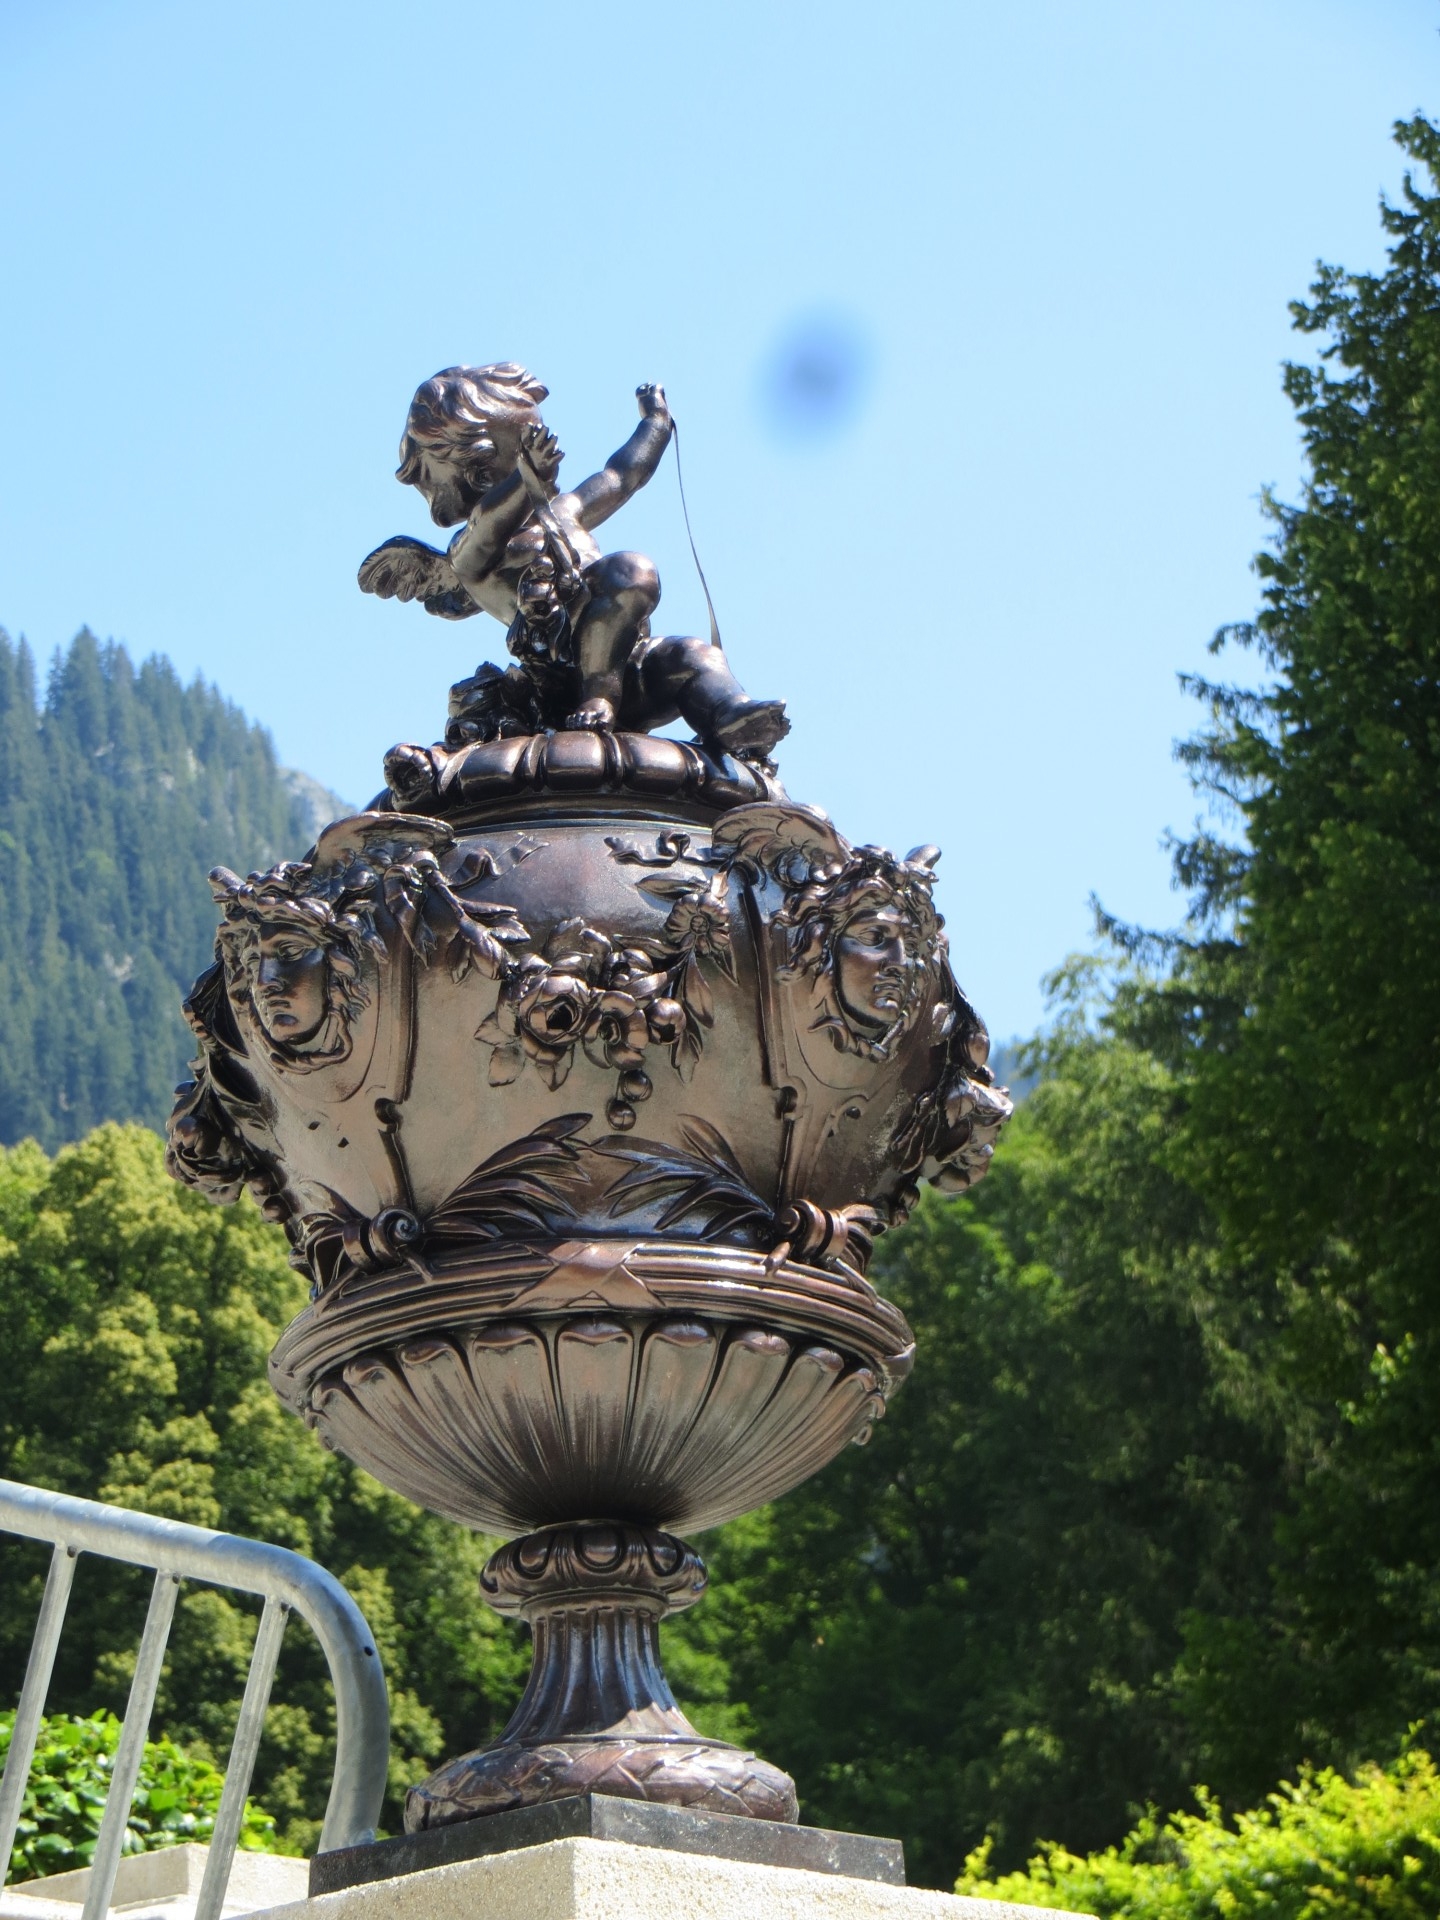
118	793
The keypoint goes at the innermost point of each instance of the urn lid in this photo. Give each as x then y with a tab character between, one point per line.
462	782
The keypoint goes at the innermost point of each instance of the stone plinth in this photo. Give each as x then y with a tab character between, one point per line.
601	1816
585	1879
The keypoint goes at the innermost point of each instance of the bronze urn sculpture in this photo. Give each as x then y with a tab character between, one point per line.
581	1071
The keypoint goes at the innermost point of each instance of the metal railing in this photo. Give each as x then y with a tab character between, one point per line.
178	1552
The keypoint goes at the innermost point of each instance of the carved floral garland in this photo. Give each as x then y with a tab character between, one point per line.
582	991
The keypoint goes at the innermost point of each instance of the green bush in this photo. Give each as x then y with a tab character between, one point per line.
1326	1849
176	1797
135	1320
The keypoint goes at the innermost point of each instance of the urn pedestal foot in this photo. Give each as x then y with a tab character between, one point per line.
597	1715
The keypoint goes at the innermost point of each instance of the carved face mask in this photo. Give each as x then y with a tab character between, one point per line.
871	967
290	984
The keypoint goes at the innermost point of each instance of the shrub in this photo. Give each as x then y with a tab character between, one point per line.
1327	1848
176	1798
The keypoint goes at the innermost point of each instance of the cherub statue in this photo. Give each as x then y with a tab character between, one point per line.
578	621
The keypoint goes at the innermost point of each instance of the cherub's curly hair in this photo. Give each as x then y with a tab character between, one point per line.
454	410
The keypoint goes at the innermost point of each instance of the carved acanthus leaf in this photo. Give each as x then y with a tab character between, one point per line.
529	1184
708	1181
791	843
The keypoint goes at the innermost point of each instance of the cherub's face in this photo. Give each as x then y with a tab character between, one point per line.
448	485
290	984
453	481
871	966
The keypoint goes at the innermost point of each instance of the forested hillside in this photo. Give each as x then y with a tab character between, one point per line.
118	792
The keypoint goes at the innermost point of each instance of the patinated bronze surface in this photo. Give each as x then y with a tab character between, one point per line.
582	1070
593	1596
578	621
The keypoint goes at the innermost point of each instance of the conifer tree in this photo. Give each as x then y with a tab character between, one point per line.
1303	1009
117	796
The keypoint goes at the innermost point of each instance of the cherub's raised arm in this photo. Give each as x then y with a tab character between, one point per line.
627	470
481	541
501	511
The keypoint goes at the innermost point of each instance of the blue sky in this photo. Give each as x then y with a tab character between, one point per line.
1055	241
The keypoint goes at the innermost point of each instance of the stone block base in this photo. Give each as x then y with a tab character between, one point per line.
600	1816
584	1879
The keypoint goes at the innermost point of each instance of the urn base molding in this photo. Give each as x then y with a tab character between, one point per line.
598	1715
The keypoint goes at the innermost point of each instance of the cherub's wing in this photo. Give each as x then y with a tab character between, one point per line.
406	569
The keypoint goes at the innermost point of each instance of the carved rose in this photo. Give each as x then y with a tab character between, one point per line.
554	1009
582	991
699	922
974	1114
539	1016
202	1149
620	1029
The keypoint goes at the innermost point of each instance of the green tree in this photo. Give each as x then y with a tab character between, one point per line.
1302	1012
136	1321
1326	1848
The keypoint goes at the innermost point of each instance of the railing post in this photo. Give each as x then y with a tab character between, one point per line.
38	1669
176	1551
131	1750
241	1765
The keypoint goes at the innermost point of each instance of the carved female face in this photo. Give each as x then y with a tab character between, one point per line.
290	983
871	966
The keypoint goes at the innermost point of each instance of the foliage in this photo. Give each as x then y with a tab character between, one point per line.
136	1320
116	798
1158	1505
176	1797
1325	1848
1302	1011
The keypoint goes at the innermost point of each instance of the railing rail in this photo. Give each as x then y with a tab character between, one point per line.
287	1582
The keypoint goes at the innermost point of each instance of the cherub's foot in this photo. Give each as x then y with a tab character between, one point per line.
752	726
595	716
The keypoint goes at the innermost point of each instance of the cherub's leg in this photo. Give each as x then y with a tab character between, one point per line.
693	677
625	590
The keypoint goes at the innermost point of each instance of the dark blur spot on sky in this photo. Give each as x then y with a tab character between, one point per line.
815	377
